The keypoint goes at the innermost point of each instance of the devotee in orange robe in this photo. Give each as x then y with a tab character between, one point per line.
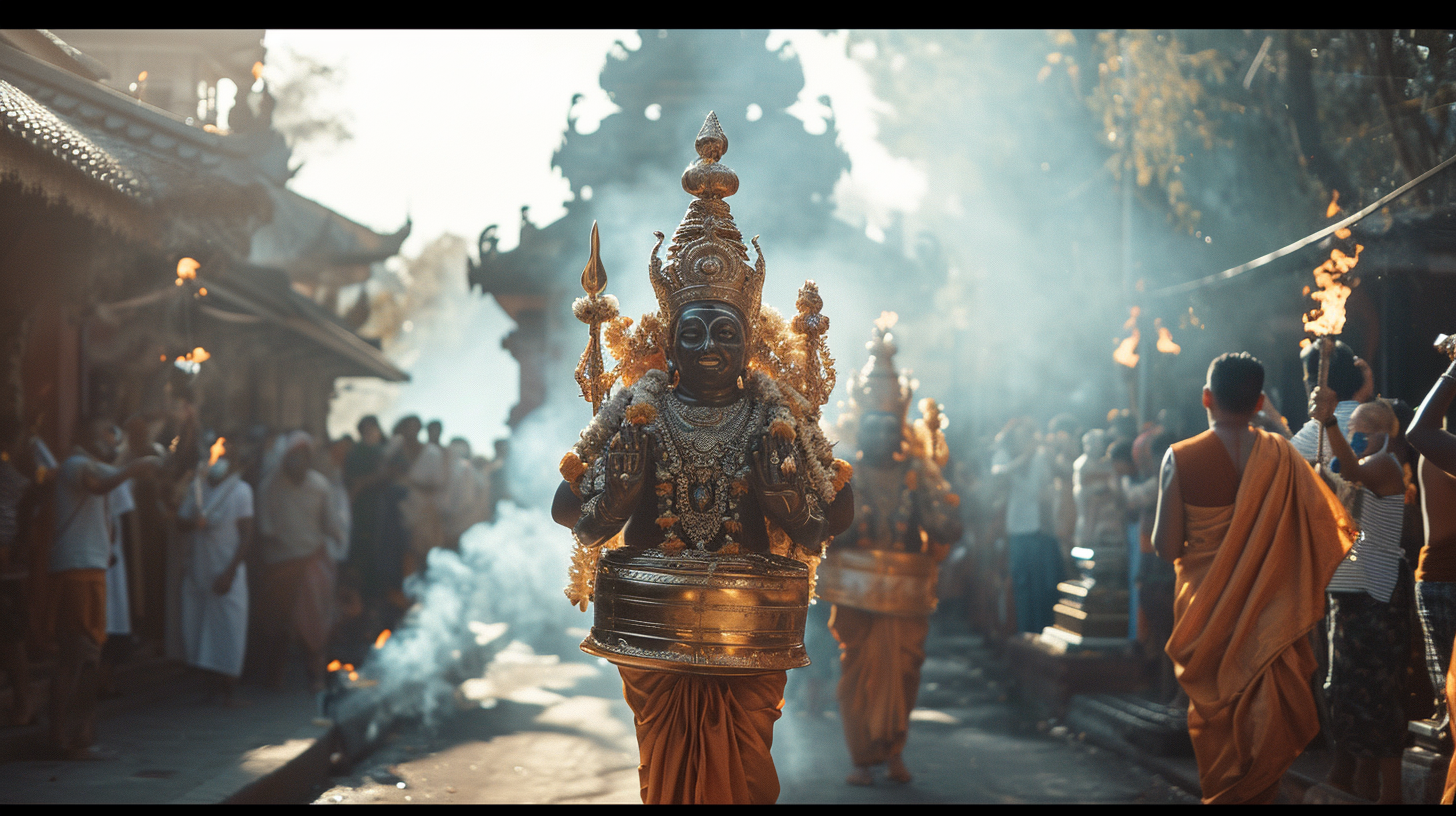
1255	536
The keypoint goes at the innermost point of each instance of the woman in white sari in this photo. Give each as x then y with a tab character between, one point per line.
217	519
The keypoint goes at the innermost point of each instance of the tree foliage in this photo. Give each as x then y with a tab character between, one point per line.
1354	111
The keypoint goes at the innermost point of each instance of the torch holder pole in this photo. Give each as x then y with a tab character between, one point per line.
1326	350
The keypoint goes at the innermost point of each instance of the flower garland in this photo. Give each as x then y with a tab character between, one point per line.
790	374
783	411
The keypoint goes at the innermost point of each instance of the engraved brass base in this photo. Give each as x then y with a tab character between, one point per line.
700	613
884	581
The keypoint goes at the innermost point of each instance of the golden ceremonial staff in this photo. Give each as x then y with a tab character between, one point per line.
593	310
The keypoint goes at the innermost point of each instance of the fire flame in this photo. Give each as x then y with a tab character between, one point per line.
1331	294
197	355
1126	352
1332	291
257	70
216	451
335	665
142	77
379	641
187	270
1165	339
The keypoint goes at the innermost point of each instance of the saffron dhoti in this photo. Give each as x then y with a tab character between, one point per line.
705	739
880	660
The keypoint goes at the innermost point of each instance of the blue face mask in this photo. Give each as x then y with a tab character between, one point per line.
1358	443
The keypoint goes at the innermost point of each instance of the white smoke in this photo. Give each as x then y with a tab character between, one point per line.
503	586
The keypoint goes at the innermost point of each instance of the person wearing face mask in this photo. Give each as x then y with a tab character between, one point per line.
1369	601
1349	378
216	518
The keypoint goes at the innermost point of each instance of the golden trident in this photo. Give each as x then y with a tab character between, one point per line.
594	310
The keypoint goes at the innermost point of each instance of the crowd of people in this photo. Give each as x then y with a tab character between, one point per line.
1273	576
1254	557
269	539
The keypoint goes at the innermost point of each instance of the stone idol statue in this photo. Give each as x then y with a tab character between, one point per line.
881	575
701	497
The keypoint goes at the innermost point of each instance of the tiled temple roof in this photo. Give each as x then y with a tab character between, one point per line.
27	119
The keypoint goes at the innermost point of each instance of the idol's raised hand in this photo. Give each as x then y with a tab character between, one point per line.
627	459
773	476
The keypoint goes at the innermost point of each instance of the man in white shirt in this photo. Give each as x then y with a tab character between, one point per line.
296	524
1034	557
1351	380
79	558
217	520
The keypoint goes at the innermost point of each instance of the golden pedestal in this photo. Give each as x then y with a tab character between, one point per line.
884	581
700	613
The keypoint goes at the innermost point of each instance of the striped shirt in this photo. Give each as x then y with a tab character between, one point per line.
1373	563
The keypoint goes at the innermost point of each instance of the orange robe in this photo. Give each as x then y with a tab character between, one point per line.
705	739
1251	584
880	660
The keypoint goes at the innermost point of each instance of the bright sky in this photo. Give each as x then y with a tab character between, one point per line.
456	130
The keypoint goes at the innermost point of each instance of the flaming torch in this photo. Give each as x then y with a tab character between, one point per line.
187	270
1165	339
1327	320
1126	351
593	310
1126	354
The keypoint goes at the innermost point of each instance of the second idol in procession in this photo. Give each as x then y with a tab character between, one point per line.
700	498
881	575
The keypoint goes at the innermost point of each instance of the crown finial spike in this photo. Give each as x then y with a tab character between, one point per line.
711	143
706	178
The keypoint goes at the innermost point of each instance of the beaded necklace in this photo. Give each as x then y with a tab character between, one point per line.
703	471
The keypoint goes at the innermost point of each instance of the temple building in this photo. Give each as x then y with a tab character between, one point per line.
624	175
152	258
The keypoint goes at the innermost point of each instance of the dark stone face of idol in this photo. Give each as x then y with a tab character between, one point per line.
879	436
710	347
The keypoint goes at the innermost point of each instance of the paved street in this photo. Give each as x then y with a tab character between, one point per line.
166	743
559	732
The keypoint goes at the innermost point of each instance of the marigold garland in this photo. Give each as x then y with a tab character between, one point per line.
790	371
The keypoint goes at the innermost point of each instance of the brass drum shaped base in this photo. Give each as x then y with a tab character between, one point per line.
700	613
884	581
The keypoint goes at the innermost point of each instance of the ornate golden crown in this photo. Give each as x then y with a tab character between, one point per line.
707	259
878	386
